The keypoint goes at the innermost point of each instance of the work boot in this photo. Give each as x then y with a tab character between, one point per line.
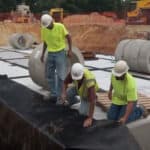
76	101
145	112
61	102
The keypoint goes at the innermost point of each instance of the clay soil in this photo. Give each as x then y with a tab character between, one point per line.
101	34
92	32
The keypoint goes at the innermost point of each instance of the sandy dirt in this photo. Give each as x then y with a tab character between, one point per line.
89	32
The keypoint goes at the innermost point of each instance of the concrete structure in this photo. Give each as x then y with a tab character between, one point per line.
140	129
136	52
21	40
37	68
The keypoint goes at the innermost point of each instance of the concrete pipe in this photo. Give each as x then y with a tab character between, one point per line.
37	69
140	129
21	40
136	52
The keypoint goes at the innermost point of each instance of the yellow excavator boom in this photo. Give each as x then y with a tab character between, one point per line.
142	4
57	14
141	15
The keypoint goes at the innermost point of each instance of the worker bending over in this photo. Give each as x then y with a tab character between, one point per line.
84	85
123	94
54	37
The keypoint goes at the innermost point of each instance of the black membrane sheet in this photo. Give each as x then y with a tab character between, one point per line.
30	123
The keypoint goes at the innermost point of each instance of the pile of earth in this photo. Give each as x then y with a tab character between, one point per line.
90	32
100	34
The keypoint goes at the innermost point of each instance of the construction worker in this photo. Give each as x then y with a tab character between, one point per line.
123	94
85	86
54	37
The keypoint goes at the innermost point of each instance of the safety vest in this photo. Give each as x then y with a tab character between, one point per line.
55	38
124	90
88	81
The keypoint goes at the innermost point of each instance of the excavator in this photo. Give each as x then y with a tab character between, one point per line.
22	14
141	14
57	14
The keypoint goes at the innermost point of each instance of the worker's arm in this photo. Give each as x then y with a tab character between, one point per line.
92	99
128	111
43	51
110	92
65	85
69	40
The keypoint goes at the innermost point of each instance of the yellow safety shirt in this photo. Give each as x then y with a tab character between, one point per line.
55	37
89	81
124	90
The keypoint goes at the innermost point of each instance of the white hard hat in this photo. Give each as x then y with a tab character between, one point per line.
120	68
46	20
77	71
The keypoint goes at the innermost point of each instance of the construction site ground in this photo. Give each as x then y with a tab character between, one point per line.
105	103
90	33
95	38
14	64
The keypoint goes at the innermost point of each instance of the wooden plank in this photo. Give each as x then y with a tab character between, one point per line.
88	54
147	105
105	102
144	102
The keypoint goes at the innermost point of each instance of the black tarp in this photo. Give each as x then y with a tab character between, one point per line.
27	122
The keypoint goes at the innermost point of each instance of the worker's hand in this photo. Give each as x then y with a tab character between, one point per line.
87	122
122	120
42	58
110	95
69	53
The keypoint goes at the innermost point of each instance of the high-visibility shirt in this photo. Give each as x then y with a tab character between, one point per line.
124	90
55	37
88	81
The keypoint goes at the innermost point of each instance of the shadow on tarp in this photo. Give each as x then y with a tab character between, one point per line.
27	122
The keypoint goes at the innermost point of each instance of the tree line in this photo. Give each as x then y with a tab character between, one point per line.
70	6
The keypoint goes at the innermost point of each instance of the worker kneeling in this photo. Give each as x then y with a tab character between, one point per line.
84	85
123	94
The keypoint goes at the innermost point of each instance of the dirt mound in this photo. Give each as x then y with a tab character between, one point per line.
90	19
8	28
95	32
97	38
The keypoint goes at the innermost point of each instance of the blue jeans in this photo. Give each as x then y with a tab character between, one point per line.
115	112
56	68
72	99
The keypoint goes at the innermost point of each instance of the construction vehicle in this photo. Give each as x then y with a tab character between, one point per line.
141	14
22	14
57	14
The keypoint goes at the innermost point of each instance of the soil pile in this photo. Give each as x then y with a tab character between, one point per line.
97	38
90	32
95	32
8	28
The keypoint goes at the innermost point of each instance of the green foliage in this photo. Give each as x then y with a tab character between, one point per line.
7	5
72	6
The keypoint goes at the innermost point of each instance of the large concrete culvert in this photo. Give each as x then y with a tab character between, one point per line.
21	40
139	130
37	68
136	52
